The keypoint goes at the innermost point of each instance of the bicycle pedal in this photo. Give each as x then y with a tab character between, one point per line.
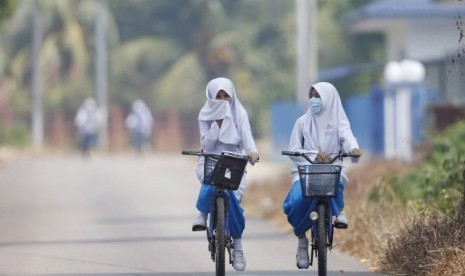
196	228
341	225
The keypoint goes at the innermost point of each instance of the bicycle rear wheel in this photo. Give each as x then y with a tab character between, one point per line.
321	240
220	239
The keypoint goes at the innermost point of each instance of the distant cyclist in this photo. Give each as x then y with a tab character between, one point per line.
139	122
224	126
88	120
323	130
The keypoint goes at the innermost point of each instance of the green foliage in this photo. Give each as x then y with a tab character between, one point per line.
166	51
176	90
18	136
339	47
137	65
7	8
436	183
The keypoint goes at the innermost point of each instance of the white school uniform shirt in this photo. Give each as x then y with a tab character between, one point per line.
88	119
140	118
328	131
234	135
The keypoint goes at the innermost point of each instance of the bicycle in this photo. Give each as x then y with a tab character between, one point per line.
225	172
320	182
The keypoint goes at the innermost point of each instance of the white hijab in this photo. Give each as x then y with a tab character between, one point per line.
214	109
326	130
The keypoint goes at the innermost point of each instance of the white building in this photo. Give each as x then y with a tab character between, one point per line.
423	30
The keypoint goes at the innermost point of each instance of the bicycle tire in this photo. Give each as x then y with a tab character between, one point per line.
220	240
321	240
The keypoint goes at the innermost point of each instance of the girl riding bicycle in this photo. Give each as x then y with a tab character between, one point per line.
323	130
224	126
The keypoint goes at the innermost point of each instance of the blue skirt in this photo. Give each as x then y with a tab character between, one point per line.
235	212
297	208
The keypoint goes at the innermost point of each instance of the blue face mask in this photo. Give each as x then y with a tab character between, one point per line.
315	104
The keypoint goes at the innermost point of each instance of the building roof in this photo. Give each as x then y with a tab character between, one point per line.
407	9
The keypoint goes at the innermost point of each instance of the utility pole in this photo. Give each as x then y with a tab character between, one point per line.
101	69
37	118
307	47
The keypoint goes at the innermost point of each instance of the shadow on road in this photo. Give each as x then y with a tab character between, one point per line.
143	219
194	238
245	273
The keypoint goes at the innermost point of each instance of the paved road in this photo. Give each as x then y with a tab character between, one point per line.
122	215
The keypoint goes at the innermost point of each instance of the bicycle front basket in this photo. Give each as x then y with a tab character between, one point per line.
320	180
229	171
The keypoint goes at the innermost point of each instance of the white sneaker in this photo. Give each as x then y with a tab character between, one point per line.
238	260
200	223
341	220
303	261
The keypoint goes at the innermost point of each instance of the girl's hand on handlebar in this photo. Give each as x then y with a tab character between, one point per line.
357	152
322	157
253	157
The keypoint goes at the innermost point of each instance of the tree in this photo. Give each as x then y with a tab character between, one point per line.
7	8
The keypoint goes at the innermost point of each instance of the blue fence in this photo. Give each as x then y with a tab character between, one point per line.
283	117
365	113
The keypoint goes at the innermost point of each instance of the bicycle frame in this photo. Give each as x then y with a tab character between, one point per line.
212	224
322	226
225	176
328	219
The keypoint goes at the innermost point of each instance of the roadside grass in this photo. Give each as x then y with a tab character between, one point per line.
431	246
390	237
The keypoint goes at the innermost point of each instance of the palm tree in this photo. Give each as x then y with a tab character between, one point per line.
65	55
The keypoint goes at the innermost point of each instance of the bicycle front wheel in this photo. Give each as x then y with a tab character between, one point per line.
321	240
220	239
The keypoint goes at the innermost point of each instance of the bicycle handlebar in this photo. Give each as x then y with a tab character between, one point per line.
291	153
305	155
192	152
201	153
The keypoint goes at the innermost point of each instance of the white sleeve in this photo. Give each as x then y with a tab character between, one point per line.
209	134
130	121
246	135
296	143
80	118
347	138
